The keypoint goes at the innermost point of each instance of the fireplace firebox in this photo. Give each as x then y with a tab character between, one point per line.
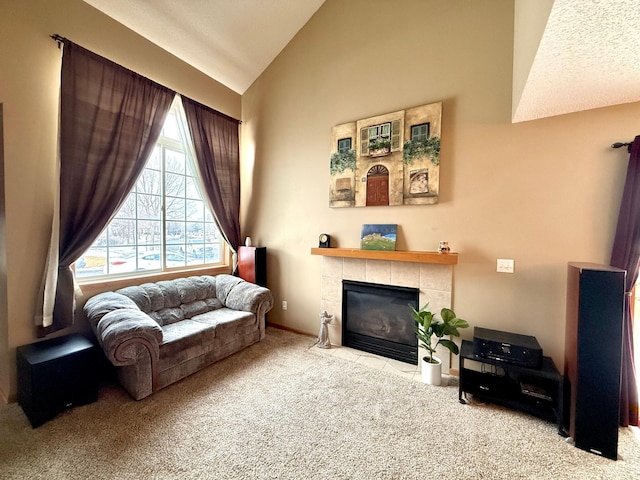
377	319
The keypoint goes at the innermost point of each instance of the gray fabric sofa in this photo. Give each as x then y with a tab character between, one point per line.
157	333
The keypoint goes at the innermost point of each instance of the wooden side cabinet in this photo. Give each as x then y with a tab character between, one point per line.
252	264
54	375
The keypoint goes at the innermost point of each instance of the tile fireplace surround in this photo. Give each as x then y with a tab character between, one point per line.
431	273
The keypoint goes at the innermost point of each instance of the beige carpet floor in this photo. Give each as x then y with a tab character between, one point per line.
283	410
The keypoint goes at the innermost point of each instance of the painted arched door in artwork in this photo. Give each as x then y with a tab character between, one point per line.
377	186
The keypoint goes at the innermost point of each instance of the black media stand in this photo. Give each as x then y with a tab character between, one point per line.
534	391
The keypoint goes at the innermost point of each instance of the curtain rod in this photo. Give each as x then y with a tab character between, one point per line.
60	40
623	144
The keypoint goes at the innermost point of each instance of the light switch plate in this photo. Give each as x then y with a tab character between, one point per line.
505	265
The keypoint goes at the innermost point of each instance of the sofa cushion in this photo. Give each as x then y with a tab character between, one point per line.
187	290
213	303
189	310
171	301
183	341
148	296
206	285
167	316
225	317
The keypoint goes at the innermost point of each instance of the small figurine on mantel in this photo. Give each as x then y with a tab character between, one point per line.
323	337
444	247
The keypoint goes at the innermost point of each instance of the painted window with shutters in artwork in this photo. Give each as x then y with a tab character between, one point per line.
420	132
344	145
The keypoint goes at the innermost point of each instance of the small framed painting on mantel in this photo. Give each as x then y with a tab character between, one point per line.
378	237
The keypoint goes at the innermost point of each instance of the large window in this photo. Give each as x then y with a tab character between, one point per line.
164	223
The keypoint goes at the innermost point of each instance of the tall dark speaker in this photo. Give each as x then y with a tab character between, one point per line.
593	356
252	264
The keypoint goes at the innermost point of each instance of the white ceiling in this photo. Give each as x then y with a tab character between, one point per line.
588	55
232	41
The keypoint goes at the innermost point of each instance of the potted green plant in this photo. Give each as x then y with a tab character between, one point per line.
431	332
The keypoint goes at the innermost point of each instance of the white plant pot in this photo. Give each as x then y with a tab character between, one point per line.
431	373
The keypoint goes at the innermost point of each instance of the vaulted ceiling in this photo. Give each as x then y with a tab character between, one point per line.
232	41
569	55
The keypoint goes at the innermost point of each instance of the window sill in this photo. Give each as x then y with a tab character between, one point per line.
93	287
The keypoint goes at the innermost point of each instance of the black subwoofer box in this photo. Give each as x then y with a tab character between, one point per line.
54	375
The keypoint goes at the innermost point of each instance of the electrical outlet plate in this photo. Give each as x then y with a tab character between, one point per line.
505	265
284	305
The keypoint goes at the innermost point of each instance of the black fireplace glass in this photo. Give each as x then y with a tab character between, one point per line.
377	319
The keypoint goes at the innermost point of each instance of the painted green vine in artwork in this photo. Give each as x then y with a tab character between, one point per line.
340	161
415	149
379	143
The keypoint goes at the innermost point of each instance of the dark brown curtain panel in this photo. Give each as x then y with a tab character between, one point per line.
110	119
216	144
626	255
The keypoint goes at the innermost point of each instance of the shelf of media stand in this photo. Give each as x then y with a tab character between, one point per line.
534	391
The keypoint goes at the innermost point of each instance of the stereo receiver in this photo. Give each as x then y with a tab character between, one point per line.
523	350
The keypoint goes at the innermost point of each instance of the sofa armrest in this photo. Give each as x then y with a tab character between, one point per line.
99	305
249	297
126	334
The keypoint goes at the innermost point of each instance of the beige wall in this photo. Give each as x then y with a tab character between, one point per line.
543	192
29	83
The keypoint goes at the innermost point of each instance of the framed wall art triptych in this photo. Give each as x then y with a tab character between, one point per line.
390	159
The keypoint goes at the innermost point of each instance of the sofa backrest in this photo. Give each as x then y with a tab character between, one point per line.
170	301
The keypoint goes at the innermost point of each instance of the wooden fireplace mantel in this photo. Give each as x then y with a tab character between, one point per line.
394	256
